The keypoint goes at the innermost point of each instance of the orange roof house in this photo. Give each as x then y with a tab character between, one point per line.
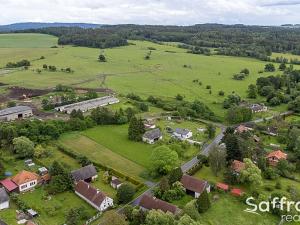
275	156
242	129
237	166
25	180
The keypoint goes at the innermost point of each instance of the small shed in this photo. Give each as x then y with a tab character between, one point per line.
9	185
32	213
222	186
237	192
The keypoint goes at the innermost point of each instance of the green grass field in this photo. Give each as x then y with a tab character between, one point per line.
100	153
126	70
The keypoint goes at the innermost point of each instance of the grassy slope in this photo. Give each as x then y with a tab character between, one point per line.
127	71
99	153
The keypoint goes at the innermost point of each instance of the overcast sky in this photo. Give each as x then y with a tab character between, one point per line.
177	12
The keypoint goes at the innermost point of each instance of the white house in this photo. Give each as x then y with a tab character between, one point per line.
25	180
94	197
4	199
182	134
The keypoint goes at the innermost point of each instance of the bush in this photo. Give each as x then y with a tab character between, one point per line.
125	193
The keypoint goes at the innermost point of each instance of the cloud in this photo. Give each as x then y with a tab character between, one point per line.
178	12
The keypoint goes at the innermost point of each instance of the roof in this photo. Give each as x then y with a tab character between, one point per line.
242	128
222	186
277	154
153	134
8	184
3	195
90	193
237	166
24	177
257	107
182	131
29	222
237	191
116	181
46	177
2	222
16	109
193	184
84	173
149	202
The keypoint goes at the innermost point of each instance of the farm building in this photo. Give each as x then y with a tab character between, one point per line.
237	166
148	202
152	136
193	186
4	199
88	105
17	112
9	185
26	180
86	173
94	197
182	134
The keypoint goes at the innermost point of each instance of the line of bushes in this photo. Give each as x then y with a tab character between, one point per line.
117	173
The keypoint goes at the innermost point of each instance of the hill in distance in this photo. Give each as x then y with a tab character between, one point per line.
33	25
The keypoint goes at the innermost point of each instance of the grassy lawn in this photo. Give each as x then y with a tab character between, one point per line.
99	153
9	215
115	138
228	210
62	202
106	188
126	70
183	201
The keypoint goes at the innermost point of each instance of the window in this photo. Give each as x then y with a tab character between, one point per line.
24	186
32	183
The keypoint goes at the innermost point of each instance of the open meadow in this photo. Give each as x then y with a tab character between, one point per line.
126	70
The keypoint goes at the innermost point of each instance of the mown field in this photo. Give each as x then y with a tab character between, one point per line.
126	70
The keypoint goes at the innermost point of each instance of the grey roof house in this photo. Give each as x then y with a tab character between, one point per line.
152	136
86	173
182	134
4	199
17	112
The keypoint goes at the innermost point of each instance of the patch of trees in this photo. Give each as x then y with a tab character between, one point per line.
239	114
235	40
231	101
22	63
54	69
136	129
242	75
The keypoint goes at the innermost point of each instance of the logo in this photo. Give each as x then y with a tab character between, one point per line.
281	205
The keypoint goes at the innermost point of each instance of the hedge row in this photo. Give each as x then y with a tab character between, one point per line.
117	173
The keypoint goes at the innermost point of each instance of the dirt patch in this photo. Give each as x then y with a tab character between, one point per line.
22	93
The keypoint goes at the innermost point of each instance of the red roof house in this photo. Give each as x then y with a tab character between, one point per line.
9	185
194	186
237	192
149	203
237	166
242	128
223	186
275	156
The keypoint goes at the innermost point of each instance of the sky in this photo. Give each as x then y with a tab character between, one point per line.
165	12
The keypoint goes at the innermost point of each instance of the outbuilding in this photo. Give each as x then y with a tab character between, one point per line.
14	113
4	199
152	136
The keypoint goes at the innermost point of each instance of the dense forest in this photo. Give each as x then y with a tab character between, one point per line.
236	40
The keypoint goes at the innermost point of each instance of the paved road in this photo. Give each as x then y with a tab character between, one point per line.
188	165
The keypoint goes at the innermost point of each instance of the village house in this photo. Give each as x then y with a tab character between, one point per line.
152	136
237	166
44	175
272	131
242	128
26	180
256	108
148	202
275	156
222	186
182	134
87	173
17	112
94	197
4	199
115	182
149	124
9	185
193	186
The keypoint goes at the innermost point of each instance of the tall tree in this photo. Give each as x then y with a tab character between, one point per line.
251	174
136	129
158	217
23	147
210	131
203	202
217	159
252	91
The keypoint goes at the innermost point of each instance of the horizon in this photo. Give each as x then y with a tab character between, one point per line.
155	12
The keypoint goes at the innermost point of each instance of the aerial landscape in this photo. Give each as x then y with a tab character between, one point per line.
171	113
